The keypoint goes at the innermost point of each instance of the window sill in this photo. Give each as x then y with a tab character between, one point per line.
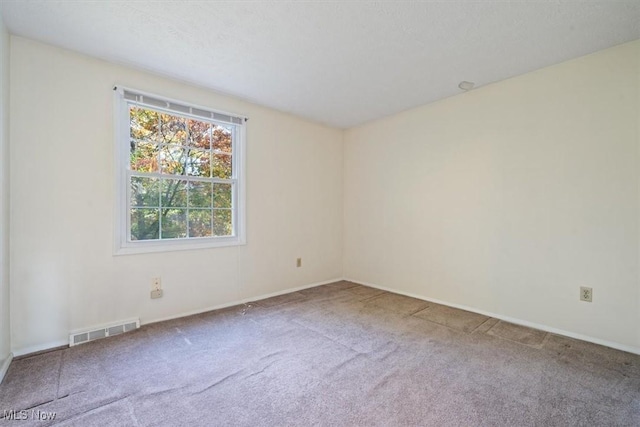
176	245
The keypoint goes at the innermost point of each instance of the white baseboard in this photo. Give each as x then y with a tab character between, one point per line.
61	343
5	366
40	347
242	301
617	346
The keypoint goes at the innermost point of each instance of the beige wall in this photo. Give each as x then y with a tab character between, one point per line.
64	276
5	335
508	198
504	200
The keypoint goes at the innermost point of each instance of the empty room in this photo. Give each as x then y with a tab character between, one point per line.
331	213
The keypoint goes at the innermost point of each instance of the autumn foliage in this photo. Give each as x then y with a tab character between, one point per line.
180	176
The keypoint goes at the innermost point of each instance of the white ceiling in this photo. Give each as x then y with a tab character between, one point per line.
337	62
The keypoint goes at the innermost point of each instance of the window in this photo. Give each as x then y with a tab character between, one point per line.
180	177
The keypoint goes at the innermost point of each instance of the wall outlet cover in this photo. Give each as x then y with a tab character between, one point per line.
586	294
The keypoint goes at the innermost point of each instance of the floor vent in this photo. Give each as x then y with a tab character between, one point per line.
103	332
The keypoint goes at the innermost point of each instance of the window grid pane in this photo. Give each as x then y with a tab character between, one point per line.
182	179
222	222
200	223
145	223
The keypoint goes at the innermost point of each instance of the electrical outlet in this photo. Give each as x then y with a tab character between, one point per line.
586	294
156	284
299	262
157	293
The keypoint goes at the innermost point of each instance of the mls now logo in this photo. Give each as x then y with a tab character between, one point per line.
14	415
42	415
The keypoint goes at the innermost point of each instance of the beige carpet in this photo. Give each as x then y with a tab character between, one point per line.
340	354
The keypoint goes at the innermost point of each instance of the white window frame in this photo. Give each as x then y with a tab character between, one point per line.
122	243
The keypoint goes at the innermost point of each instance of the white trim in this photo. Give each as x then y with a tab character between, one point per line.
169	245
614	345
5	366
121	243
120	134
122	89
239	302
40	347
617	346
65	343
239	167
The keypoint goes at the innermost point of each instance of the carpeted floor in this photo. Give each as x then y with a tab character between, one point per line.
339	354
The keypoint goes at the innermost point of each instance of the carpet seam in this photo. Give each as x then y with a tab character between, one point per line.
537	347
451	328
478	327
59	375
